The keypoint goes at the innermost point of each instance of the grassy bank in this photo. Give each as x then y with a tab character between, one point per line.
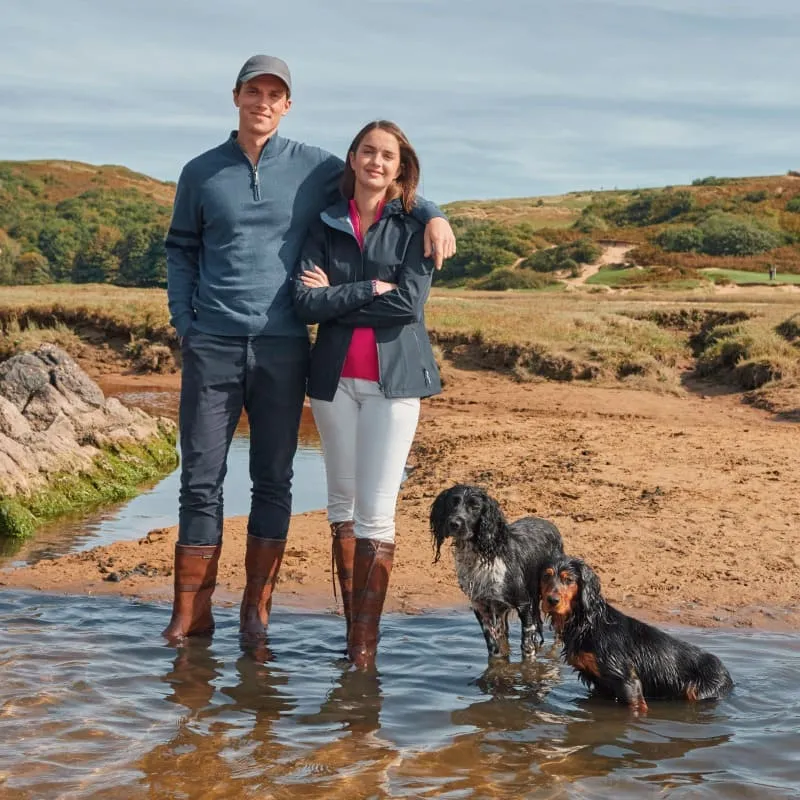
648	336
117	474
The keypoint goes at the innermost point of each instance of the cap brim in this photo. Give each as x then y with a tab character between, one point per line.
248	76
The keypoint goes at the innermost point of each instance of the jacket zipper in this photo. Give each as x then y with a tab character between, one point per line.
363	277
425	374
253	175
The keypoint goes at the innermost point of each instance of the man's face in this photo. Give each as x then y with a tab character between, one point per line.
262	103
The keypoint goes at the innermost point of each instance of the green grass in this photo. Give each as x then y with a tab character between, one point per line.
611	277
116	475
744	277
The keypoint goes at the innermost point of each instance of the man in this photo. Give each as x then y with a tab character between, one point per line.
240	216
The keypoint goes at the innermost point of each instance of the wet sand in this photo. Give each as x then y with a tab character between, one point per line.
687	506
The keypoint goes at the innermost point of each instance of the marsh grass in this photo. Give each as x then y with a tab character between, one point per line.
604	337
642	339
141	312
19	339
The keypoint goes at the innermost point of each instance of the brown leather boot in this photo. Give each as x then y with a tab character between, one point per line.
343	552
372	567
195	579
262	562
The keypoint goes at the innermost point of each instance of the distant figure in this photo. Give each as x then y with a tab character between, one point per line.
772	272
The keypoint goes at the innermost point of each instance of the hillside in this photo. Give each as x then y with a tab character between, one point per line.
68	221
65	221
710	230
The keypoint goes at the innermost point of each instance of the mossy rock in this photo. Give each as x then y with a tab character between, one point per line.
15	520
116	475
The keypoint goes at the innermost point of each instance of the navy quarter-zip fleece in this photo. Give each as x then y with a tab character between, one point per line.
236	234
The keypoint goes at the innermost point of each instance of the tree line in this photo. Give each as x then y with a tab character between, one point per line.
103	235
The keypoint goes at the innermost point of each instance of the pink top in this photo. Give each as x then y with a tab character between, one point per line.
362	356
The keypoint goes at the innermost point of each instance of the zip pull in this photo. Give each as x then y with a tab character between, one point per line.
256	185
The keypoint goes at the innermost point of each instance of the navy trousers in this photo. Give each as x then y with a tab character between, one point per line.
266	376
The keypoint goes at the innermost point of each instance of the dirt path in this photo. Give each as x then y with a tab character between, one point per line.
686	505
614	254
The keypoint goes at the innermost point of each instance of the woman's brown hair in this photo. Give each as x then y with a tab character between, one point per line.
408	178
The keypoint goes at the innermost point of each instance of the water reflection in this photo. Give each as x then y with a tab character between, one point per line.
224	728
97	709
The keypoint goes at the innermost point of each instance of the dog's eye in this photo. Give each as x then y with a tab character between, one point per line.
473	502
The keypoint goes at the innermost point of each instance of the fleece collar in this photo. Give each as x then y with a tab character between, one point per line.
275	145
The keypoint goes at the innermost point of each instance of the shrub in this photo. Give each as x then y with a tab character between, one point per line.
587	223
484	246
31	267
727	235
650	208
501	279
680	239
711	180
563	256
661	275
647	255
794	204
755	196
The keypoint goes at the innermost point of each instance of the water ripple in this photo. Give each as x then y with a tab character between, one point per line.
96	706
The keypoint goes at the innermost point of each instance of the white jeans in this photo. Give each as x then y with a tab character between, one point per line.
366	439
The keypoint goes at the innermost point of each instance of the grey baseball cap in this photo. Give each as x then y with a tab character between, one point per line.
265	65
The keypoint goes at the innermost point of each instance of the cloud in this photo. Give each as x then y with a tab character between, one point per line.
524	98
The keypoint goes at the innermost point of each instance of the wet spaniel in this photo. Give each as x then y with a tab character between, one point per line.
496	562
617	655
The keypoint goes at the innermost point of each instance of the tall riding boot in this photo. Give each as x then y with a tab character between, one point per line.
195	578
372	567
343	553
262	562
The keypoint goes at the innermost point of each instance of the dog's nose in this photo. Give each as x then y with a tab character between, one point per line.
552	599
454	525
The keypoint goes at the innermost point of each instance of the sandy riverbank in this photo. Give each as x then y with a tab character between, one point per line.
687	506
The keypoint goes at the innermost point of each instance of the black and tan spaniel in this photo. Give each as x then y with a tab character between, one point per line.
496	562
617	655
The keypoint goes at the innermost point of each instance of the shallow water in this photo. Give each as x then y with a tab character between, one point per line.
93	705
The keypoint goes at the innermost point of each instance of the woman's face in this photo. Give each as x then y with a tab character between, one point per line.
376	162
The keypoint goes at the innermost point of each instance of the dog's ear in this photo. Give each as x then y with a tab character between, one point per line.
537	574
589	589
490	524
438	522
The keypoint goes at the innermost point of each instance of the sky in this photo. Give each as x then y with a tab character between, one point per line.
502	98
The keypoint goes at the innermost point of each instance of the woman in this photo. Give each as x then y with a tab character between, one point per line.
362	276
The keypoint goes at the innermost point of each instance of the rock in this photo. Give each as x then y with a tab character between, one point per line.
22	377
59	436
